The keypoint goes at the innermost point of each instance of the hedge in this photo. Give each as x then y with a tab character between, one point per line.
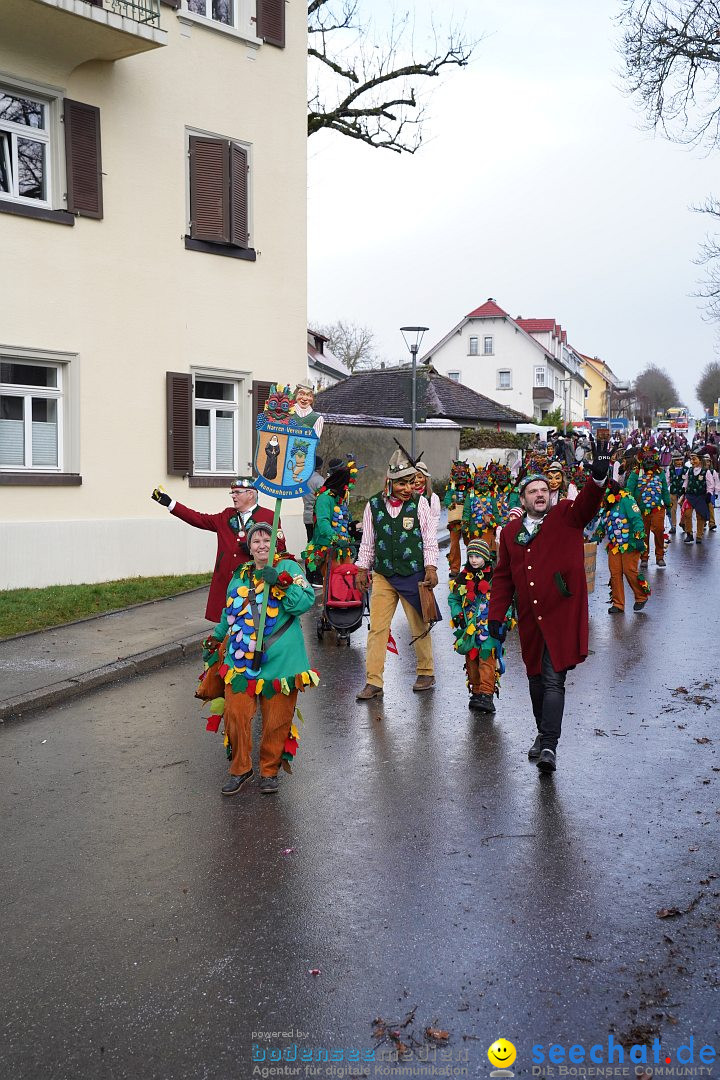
487	439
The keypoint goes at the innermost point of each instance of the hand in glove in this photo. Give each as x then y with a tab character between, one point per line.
431	578
161	496
497	630
601	459
269	574
361	580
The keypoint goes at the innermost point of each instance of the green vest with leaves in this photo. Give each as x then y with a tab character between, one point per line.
398	540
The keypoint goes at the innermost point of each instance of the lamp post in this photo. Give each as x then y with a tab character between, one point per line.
412	336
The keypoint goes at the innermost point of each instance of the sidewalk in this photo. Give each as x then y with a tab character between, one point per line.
53	666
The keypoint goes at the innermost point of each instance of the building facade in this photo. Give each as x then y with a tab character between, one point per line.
323	367
526	364
152	221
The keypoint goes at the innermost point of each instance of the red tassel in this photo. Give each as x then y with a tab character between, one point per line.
222	671
474	653
213	723
276	686
290	746
392	644
252	683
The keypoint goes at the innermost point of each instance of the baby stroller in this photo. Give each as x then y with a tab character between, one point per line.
343	603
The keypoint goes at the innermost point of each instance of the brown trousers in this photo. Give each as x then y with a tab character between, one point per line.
655	523
624	564
277	713
699	523
673	511
481	674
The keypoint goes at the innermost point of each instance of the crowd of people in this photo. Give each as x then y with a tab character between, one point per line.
526	531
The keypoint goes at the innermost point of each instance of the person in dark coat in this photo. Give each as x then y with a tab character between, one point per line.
541	562
231	526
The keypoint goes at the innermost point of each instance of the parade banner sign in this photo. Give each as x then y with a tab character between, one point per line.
286	447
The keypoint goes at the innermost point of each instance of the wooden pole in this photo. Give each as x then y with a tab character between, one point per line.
266	590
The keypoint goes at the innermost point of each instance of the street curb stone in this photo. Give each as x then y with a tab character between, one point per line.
140	664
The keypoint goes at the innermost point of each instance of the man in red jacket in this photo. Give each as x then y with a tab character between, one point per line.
541	562
231	526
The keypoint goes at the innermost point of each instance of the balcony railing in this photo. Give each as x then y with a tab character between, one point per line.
142	11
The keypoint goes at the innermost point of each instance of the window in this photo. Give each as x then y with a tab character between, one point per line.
540	373
215	425
24	148
31	429
504	380
219	175
454	375
487	346
473	349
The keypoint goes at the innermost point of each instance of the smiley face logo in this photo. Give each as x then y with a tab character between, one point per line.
501	1054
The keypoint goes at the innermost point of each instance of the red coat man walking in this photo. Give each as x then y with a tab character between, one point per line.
541	562
231	526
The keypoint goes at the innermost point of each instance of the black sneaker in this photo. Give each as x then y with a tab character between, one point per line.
534	751
546	762
482	703
639	605
698	541
673	530
688	539
234	783
615	610
661	563
269	785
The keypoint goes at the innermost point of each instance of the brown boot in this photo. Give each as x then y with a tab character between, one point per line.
369	691
424	682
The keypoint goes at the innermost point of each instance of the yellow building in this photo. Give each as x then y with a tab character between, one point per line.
153	230
599	377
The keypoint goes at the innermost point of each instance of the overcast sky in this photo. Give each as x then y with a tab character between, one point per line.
537	185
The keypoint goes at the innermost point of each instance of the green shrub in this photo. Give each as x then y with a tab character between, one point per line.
487	439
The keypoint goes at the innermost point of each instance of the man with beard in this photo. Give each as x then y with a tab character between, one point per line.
541	561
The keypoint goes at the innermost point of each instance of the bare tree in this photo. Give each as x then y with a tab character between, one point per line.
671	50
367	87
708	389
654	388
353	344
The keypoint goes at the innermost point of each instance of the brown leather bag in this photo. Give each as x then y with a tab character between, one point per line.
428	604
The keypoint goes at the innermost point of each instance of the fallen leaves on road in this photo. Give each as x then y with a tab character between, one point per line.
436	1035
288	851
680	690
599	731
314	971
703	740
668	912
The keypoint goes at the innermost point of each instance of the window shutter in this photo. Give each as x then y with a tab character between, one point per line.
260	394
238	196
83	160
271	22
209	190
179	423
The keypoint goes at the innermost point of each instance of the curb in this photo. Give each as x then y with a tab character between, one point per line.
138	664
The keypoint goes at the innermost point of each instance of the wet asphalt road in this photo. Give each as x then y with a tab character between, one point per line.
152	928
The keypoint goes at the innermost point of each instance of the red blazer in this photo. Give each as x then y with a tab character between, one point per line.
232	550
545	615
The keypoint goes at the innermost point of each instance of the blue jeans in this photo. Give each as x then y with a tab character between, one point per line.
547	693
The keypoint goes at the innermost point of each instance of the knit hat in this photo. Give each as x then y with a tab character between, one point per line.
479	547
529	480
255	527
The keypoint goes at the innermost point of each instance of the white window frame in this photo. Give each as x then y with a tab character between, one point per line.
455	376
243	26
540	375
473	345
242	382
488	351
499	374
51	98
60	394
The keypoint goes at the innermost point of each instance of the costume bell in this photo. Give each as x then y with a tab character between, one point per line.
469	603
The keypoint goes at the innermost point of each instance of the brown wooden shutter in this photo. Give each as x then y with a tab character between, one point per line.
179	423
238	196
271	22
171	3
260	394
83	159
209	190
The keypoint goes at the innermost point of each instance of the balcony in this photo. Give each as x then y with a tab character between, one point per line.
543	395
67	33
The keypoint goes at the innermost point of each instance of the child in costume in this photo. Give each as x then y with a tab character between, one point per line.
272	679
469	602
458	486
620	521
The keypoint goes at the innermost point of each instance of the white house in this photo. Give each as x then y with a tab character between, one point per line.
526	364
152	225
323	367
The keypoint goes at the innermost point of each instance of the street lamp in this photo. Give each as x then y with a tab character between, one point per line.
412	336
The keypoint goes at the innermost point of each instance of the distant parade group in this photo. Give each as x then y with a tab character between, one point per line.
530	532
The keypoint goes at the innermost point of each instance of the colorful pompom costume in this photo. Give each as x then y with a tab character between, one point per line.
469	603
621	522
273	679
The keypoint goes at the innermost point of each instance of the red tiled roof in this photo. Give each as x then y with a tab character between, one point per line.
537	326
488	310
